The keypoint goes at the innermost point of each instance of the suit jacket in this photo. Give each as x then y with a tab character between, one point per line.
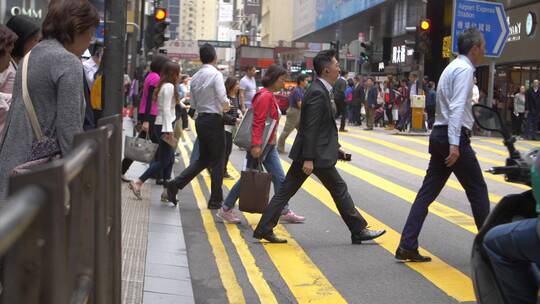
317	137
339	90
359	95
532	101
372	97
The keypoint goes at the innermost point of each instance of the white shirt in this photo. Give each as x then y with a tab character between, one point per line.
326	84
475	95
90	68
249	86
166	104
208	94
454	93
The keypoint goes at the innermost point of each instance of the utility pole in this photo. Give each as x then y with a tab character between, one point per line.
113	75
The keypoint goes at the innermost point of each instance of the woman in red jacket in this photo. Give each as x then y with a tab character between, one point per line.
264	104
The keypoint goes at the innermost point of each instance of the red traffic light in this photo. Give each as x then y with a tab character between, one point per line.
425	25
160	14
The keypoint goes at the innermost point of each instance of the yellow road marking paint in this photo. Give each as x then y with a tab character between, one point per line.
447	278
496	178
304	279
254	274
520	145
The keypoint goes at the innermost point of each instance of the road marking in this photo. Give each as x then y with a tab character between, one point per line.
496	178
447	278
518	145
254	274
304	279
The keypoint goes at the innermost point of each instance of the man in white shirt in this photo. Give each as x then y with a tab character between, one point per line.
91	66
475	92
450	145
248	88
209	99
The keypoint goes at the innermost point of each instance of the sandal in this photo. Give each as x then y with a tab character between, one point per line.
136	192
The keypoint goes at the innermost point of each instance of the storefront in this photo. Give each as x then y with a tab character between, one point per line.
519	63
400	57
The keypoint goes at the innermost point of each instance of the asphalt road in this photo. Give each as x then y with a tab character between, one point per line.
319	264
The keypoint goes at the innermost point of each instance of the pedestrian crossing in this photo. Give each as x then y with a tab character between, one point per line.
303	277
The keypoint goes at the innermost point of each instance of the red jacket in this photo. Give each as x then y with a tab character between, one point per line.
263	103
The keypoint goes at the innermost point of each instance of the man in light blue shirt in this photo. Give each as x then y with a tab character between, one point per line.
450	145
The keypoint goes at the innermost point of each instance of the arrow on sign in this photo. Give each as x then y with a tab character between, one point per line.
504	26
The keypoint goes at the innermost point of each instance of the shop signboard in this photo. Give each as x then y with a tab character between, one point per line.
488	17
34	9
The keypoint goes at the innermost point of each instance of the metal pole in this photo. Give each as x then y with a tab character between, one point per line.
491	82
113	75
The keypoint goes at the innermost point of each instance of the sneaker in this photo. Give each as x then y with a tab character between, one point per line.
292	217
227	216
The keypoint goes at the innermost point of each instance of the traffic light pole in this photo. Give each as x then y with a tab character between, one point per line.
113	70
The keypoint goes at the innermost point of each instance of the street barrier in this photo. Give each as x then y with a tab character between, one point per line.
60	228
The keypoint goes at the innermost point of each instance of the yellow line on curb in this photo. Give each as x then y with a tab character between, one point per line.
254	274
447	278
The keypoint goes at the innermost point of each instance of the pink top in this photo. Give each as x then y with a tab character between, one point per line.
152	80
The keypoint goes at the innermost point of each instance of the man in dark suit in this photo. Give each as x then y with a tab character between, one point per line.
532	109
371	102
316	150
357	101
339	99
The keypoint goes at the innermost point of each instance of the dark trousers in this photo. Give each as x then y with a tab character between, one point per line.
330	179
126	162
228	149
184	116
468	173
355	116
163	161
342	111
532	126
430	110
389	115
517	123
212	147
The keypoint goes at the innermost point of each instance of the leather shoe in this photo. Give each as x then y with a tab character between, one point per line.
366	235
410	255
273	238
172	190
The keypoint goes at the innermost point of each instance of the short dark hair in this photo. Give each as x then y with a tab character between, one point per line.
158	61
343	73
207	53
272	75
300	78
350	82
65	19
468	39
323	60
249	67
26	29
7	39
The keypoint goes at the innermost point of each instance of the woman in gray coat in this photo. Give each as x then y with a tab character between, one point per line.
55	85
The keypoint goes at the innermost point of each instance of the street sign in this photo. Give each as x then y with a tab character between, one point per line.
100	32
488	17
216	44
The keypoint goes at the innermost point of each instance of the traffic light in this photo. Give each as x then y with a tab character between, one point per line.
424	37
160	27
366	51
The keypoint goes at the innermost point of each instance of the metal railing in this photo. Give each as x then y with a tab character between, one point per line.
60	228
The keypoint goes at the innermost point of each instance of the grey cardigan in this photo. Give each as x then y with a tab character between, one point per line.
55	85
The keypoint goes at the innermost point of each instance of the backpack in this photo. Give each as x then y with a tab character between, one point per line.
95	94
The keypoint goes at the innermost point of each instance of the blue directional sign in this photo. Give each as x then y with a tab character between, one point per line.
100	32
488	17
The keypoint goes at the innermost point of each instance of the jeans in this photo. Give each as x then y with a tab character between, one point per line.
228	149
514	252
163	161
272	164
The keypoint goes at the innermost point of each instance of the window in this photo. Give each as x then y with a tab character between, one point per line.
400	18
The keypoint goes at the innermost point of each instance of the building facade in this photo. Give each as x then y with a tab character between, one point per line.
198	19
276	22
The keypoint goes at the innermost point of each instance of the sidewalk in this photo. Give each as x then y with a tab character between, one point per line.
154	257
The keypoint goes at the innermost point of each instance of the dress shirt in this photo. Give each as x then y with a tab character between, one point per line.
166	105
454	93
327	85
90	69
208	94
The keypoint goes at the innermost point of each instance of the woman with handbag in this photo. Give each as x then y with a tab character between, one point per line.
231	119
147	107
264	104
42	124
167	97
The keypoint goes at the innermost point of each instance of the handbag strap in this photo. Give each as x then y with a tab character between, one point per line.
28	102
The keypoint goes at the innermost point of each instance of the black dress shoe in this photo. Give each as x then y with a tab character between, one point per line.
172	190
214	205
273	238
366	235
411	255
